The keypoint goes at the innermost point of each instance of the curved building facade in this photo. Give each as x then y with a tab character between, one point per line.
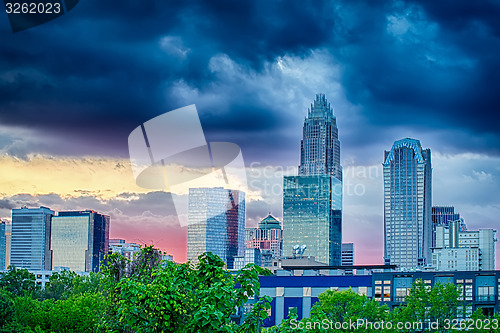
407	205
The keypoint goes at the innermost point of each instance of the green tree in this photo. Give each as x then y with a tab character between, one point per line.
287	325
60	285
180	297
79	313
428	305
6	308
64	284
337	307
19	282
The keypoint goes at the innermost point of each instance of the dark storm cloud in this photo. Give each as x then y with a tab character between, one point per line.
428	67
93	75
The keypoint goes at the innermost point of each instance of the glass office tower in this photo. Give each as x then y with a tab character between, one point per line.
8	234
216	223
320	146
407	205
80	240
3	244
312	201
30	238
312	216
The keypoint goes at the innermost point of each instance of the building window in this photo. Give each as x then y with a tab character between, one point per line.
280	291
292	309
468	292
468	311
485	293
378	293
306	291
460	288
387	294
363	290
401	294
460	312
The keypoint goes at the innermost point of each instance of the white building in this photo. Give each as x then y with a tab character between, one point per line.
128	250
463	251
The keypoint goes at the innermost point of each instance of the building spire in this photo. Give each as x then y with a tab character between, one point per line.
320	146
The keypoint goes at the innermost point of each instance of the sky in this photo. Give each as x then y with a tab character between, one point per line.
73	89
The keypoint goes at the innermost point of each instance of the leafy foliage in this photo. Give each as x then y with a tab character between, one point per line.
19	282
180	297
426	305
336	307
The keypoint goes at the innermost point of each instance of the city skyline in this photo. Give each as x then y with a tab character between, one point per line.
391	70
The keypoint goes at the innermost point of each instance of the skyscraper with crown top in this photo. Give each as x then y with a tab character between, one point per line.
312	201
320	146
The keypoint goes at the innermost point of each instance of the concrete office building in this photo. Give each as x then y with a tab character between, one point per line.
463	250
128	250
442	215
267	237
347	256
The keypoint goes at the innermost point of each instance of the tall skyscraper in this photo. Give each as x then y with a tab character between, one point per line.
407	205
79	240
216	223
30	240
443	215
312	201
320	146
3	244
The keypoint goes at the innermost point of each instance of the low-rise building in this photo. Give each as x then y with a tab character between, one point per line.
478	289
458	250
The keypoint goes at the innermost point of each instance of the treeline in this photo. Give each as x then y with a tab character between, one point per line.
145	295
148	295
